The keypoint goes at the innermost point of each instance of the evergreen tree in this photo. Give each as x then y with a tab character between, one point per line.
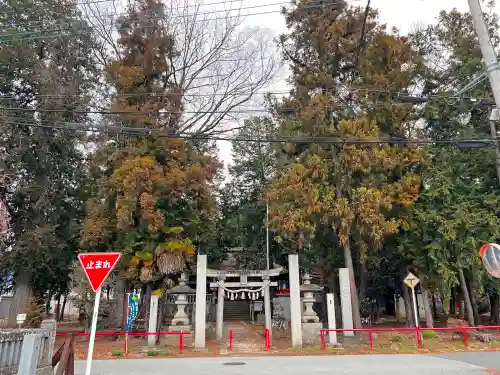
345	68
45	75
155	195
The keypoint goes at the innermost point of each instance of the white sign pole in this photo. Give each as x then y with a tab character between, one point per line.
414	306
93	329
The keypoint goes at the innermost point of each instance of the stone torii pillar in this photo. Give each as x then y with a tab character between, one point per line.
219	328
201	302
267	304
295	307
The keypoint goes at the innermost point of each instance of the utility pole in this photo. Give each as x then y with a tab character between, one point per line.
267	235
492	68
494	118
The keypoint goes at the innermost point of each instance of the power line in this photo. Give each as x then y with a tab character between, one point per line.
138	95
127	131
108	1
144	15
399	97
398	100
151	12
145	113
152	26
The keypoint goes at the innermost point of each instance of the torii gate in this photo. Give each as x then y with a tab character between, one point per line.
243	290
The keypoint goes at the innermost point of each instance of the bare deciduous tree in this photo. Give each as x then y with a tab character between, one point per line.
220	65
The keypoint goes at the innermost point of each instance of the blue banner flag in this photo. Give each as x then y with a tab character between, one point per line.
133	304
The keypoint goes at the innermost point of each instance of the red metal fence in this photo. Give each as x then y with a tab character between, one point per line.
99	334
418	332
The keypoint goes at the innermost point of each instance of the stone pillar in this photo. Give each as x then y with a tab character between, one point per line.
345	300
30	352
332	324
153	320
219	323
201	302
50	325
267	305
295	309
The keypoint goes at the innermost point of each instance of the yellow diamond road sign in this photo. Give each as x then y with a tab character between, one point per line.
411	280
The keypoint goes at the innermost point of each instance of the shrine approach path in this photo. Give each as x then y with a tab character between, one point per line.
247	337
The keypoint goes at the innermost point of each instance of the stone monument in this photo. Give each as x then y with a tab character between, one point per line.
280	320
345	301
310	320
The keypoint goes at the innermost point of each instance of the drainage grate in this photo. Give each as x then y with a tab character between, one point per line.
234	363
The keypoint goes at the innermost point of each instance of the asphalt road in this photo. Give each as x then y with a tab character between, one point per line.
446	364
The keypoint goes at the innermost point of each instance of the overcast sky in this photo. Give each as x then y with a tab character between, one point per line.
403	14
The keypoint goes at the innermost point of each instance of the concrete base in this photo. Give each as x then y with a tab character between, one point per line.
47	370
187	328
200	350
334	346
310	332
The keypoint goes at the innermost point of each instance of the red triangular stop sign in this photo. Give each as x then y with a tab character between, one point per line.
98	266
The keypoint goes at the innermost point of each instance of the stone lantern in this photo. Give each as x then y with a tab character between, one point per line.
310	320
180	321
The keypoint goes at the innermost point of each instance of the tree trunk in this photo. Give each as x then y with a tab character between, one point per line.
494	309
451	303
356	315
48	303
397	307
465	294
119	295
434	306
57	310
408	307
429	322
363	280
475	309
149	293
162	301
61	314
21	300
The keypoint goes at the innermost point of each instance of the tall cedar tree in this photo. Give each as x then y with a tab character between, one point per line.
155	194
244	216
362	192
457	210
47	172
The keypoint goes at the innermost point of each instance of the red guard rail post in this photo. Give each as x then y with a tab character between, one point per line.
417	332
230	340
267	338
86	334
